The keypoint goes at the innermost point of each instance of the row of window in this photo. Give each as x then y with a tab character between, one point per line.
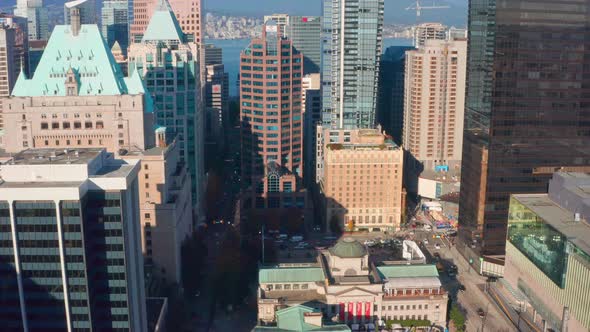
77	125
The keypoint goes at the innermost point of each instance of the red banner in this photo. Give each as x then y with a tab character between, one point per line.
359	310
367	310
350	310
341	312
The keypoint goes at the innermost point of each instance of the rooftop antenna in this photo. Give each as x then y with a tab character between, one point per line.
418	7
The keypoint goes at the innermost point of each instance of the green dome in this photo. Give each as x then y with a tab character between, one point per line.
348	248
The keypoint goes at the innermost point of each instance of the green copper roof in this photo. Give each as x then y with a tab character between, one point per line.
290	274
292	319
87	54
348	248
163	25
407	271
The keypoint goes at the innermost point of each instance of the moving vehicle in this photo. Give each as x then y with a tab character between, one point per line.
425	241
461	287
437	246
296	238
440	267
427	228
481	313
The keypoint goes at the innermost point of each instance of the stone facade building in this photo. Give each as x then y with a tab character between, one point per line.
347	286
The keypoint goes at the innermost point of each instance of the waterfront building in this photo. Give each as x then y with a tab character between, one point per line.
213	55
390	103
343	284
525	113
115	24
281	21
70	249
434	101
352	46
87	9
361	174
428	31
170	67
306	34
547	252
36	14
272	122
188	14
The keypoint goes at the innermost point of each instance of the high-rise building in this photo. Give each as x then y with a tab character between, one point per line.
36	15
115	24
311	106
306	34
165	206
71	251
434	102
36	48
87	10
188	13
361	179
352	45
547	253
272	123
525	111
13	53
281	20
390	103
426	31
216	107
170	67
213	55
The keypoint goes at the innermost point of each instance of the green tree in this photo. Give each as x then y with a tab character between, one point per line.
193	253
457	317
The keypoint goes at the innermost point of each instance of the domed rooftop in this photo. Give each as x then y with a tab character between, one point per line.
348	248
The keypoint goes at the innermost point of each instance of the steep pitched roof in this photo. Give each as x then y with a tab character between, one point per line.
89	56
163	25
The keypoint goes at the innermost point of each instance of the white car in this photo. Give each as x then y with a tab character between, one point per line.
425	241
437	246
369	243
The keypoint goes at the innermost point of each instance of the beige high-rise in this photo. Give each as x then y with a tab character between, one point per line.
188	13
361	179
434	101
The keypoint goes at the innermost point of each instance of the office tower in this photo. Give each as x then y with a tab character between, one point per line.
216	108
270	113
352	45
13	53
311	106
36	15
71	252
547	253
213	55
281	20
525	112
115	26
426	31
434	102
361	179
390	101
188	13
306	34
36	48
87	10
170	68
165	206
78	98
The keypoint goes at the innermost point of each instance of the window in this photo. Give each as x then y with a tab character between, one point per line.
273	183
88	125
287	286
77	125
55	125
44	125
147	216
99	125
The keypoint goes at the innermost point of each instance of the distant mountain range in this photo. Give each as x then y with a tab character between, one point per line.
395	10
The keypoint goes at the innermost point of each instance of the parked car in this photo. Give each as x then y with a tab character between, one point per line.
451	273
296	238
461	287
425	241
369	243
437	246
481	313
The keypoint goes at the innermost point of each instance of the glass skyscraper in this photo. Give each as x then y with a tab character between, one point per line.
351	53
115	26
527	110
305	33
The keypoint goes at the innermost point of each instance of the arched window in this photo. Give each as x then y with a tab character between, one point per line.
273	183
